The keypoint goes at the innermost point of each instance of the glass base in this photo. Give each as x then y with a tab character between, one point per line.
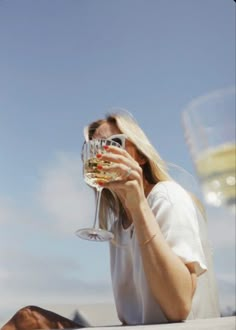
95	235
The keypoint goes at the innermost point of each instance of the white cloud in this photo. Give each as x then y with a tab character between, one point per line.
63	194
7	211
30	274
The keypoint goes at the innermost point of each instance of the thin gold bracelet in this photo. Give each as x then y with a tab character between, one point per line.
149	239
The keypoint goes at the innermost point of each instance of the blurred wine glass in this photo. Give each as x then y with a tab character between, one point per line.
209	126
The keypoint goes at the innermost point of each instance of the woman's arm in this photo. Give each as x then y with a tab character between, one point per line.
171	281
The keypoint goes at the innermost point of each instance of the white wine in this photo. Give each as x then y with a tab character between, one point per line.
216	169
93	175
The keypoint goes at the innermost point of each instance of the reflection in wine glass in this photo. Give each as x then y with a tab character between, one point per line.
92	176
209	124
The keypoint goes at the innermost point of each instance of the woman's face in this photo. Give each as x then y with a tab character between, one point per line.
106	130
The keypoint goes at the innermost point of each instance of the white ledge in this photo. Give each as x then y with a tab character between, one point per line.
222	323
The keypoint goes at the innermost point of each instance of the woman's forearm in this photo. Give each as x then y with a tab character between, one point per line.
171	282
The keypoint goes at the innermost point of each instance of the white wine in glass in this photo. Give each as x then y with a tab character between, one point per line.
93	176
216	170
209	123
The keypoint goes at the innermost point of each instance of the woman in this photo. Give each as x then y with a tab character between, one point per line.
161	266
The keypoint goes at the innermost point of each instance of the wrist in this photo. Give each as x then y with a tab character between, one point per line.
139	207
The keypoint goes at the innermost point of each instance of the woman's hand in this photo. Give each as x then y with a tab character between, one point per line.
128	185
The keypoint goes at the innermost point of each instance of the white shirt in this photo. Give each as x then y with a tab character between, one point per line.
185	230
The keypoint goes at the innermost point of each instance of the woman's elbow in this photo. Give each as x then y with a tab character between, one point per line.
180	312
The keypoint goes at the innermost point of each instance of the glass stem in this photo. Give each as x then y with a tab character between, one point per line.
98	199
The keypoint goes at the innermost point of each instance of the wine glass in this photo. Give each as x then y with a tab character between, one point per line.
92	176
209	124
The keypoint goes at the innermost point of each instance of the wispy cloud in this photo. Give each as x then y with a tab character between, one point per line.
63	195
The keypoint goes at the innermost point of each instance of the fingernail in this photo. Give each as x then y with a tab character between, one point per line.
99	167
99	155
106	147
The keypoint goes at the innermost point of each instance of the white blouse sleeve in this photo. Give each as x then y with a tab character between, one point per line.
179	224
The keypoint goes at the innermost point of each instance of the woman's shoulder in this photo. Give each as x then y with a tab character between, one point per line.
168	197
170	191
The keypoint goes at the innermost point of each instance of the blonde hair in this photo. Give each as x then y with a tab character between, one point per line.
154	170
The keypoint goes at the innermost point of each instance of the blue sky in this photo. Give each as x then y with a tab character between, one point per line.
63	64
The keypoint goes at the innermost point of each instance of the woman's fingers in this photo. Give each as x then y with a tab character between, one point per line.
119	164
118	159
120	172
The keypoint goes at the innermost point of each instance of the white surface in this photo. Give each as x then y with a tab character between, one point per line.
224	323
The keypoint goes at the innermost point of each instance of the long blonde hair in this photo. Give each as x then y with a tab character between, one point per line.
154	170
